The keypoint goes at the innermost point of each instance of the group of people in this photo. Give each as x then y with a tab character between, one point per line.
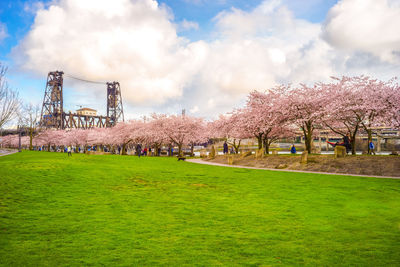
347	144
142	152
226	149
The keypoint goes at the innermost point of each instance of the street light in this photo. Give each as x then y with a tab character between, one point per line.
19	138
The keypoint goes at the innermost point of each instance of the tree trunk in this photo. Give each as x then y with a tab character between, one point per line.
308	131
353	146
192	150
30	139
236	146
124	149
266	145
260	141
180	150
353	140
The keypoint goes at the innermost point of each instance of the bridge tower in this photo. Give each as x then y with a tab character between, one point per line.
115	111
52	110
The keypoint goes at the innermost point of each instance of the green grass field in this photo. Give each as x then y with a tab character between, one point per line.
121	210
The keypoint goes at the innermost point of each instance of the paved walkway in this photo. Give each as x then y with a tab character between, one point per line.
7	152
200	161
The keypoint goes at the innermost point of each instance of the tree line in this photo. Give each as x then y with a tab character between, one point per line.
344	105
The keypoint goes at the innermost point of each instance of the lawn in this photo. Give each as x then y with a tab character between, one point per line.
121	210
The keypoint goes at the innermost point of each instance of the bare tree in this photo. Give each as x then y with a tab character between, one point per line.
9	100
29	117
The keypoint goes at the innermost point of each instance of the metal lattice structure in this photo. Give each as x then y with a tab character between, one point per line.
115	109
53	116
52	109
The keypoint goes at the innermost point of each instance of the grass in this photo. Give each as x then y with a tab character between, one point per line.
121	210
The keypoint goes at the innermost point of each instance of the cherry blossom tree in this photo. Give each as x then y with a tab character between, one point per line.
304	107
230	128
155	135
12	141
51	137
77	138
359	102
393	110
100	137
263	118
182	130
9	140
125	133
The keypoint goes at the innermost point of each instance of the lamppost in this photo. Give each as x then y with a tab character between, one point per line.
19	138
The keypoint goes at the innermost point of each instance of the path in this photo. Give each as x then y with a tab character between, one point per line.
4	152
200	161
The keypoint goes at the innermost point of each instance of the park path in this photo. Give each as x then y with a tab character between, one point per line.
200	161
7	152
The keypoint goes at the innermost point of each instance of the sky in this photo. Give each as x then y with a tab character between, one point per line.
203	56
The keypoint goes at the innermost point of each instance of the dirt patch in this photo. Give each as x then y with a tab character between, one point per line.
360	164
139	181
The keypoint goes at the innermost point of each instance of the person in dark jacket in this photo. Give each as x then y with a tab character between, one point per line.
225	148
346	142
139	150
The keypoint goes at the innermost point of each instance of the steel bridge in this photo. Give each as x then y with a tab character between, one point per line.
53	115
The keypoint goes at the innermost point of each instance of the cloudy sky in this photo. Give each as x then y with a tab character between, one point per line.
200	55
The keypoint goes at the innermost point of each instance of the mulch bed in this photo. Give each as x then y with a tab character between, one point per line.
360	164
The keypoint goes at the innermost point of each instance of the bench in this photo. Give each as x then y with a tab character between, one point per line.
181	158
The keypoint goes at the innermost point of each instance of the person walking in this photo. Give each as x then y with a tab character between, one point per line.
346	142
69	151
225	148
139	150
371	147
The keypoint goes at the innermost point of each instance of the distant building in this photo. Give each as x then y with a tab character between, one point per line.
86	112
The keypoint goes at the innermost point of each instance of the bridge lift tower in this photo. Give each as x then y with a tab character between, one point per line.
115	110
52	109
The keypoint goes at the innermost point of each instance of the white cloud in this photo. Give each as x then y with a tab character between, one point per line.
257	49
195	109
3	32
186	25
366	25
33	6
133	42
203	2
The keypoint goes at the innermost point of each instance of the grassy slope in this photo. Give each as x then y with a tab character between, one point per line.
112	210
